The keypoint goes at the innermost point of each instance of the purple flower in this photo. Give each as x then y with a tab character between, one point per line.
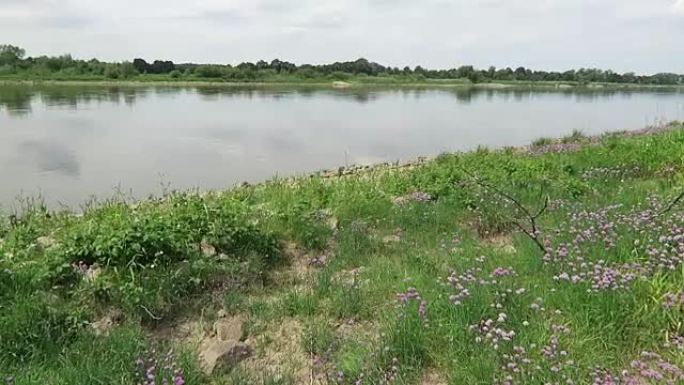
422	310
502	272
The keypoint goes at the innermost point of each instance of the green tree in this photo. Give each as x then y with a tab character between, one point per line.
10	54
112	71
128	69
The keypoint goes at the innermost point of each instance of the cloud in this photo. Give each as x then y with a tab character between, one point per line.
549	34
678	7
65	21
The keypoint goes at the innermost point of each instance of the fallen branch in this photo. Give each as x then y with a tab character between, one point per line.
154	317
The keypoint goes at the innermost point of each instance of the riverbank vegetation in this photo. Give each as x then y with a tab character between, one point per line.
14	65
560	263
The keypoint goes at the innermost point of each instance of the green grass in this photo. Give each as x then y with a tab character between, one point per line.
153	264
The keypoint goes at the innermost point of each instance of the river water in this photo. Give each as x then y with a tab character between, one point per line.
67	143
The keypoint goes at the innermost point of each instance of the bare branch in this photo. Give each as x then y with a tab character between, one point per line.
505	195
533	232
543	208
673	203
532	236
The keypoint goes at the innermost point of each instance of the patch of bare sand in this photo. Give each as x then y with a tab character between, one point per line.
279	352
432	377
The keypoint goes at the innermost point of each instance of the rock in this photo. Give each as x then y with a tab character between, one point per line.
333	223
216	353
207	249
328	217
46	242
104	325
399	201
229	328
93	273
391	238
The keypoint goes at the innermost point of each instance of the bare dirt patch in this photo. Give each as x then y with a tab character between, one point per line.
501	242
432	377
187	330
279	351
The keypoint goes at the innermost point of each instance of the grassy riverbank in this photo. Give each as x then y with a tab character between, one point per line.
559	263
354	82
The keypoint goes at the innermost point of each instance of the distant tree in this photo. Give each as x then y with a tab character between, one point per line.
629	77
569	76
162	67
339	75
141	65
12	61
55	63
520	73
209	71
10	54
246	66
465	72
307	73
128	69
665	78
112	71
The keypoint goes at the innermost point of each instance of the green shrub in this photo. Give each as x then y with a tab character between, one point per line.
540	142
165	232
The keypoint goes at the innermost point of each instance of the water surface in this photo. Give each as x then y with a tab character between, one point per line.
70	142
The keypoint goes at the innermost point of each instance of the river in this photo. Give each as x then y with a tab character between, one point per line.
68	143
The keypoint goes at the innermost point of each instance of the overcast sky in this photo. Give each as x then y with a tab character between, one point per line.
641	35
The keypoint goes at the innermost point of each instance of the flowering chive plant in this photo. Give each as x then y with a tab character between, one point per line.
156	369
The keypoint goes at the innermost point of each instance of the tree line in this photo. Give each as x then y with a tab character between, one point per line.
13	61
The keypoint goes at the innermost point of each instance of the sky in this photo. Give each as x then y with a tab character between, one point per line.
645	36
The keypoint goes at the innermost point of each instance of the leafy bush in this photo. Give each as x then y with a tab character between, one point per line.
164	232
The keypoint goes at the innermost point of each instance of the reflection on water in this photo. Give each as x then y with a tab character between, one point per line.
50	157
17	100
72	141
